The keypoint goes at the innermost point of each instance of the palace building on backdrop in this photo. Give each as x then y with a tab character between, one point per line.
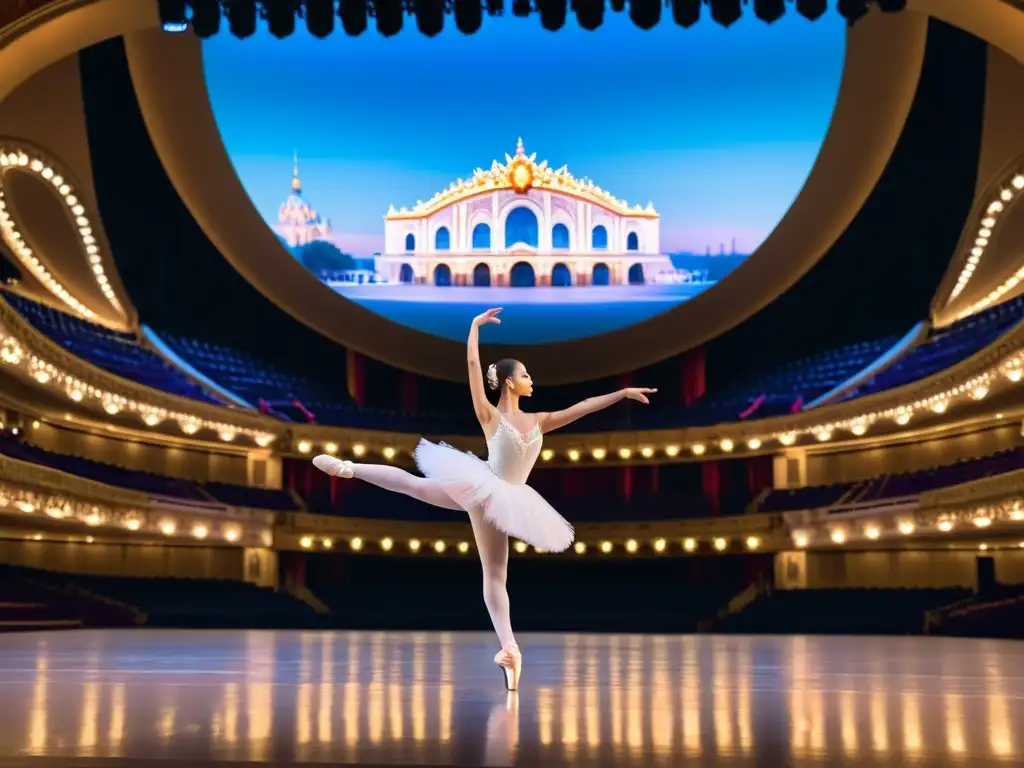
522	223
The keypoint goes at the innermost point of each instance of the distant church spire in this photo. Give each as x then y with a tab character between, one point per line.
296	184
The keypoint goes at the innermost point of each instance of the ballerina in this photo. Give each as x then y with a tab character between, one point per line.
494	492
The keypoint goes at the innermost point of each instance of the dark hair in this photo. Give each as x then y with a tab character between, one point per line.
503	369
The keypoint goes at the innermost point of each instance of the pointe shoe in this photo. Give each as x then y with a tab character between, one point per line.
510	659
333	466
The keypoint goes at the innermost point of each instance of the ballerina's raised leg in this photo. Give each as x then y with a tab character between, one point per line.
389	478
491	543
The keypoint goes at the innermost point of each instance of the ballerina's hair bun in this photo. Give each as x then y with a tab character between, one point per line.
492	376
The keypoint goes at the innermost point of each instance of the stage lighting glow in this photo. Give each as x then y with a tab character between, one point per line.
172	15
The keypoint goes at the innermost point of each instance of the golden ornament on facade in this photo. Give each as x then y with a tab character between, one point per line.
521	172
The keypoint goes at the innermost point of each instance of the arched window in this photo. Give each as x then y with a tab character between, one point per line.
482	236
636	274
522	275
442	275
410	242
599	238
406	275
521	227
632	242
442	240
559	236
561	277
481	275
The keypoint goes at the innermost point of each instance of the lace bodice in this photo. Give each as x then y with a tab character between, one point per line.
511	455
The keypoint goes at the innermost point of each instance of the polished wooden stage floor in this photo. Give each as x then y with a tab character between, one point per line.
143	697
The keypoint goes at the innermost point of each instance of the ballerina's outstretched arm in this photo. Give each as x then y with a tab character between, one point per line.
548	422
485	412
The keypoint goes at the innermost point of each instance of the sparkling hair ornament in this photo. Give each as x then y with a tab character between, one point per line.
492	376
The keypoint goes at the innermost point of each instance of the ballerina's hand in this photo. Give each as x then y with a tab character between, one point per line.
490	316
640	394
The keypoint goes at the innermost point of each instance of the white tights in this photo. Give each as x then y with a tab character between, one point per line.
491	543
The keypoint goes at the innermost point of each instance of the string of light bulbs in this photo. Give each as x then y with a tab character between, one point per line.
22	158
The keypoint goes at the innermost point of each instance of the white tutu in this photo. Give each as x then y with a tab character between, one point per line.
514	508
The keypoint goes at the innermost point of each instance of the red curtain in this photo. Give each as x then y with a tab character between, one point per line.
711	485
760	475
410	385
692	375
355	369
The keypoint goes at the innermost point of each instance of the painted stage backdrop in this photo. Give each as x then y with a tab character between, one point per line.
584	181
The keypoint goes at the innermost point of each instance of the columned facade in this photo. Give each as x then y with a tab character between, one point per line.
523	224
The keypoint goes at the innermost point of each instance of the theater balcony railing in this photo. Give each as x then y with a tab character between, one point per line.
983	387
981	514
39	502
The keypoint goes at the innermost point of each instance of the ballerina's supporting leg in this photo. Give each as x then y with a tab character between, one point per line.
492	545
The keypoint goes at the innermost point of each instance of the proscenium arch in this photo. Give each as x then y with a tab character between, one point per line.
883	63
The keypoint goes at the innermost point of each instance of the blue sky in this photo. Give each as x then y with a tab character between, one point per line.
717	127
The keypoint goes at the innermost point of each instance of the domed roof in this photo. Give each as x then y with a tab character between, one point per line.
295	211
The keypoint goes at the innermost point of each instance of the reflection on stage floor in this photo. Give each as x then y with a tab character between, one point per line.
116	697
